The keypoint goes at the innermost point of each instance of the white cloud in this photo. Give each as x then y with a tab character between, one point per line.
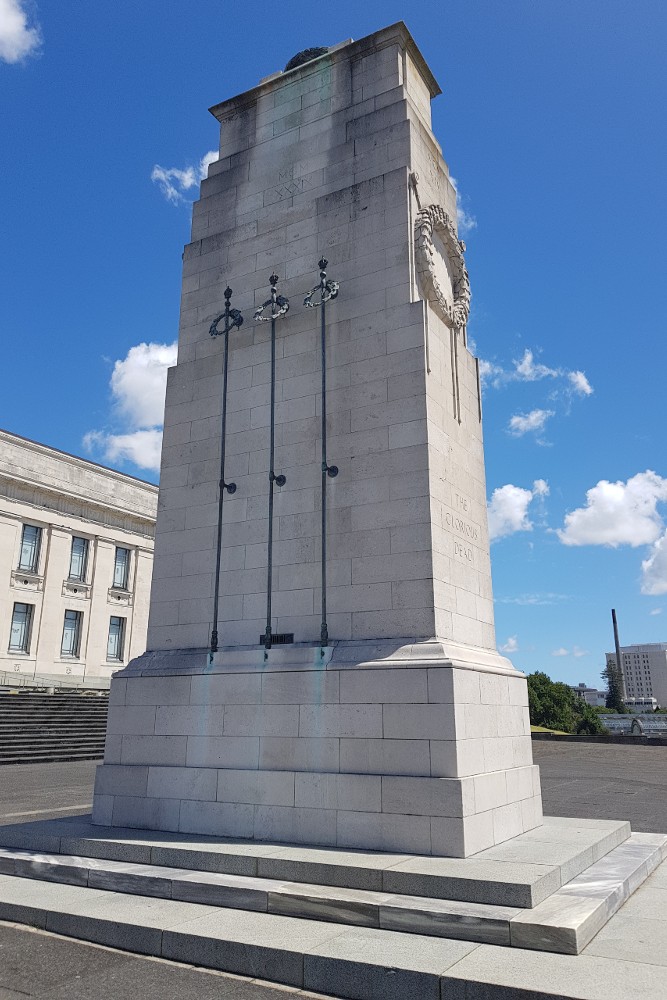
207	159
17	40
655	611
464	221
579	652
173	181
511	646
524	423
527	370
580	384
138	385
528	600
489	373
508	508
560	652
654	570
623	514
142	448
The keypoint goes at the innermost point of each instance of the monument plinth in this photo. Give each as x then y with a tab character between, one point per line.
365	706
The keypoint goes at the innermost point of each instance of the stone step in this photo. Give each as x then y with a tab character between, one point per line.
565	922
43	734
410	914
319	955
48	757
348	962
520	873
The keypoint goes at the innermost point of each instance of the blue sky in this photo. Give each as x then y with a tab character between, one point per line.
552	123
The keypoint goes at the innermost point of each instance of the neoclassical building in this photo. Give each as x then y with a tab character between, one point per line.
76	556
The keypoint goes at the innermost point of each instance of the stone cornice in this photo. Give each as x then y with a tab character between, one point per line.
397	32
43	499
139	503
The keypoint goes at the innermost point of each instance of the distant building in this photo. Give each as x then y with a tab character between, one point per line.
644	670
638	705
76	556
590	695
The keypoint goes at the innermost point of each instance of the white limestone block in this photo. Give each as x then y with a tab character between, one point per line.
271	788
195	783
491	790
218	819
384	832
298	754
167	750
384	756
414	722
428	796
319	687
507	822
296	826
131	720
222	751
402	686
340	720
226	689
261	720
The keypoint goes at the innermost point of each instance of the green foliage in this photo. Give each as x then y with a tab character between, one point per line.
589	720
555	705
614	680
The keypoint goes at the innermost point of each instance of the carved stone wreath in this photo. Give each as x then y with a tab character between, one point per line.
434	220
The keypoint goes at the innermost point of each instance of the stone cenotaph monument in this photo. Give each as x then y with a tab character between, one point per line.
321	664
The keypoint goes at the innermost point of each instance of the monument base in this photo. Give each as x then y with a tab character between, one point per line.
421	747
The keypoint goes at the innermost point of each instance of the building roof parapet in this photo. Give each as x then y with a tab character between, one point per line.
26	463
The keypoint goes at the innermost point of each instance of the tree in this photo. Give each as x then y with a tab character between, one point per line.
554	705
613	677
589	723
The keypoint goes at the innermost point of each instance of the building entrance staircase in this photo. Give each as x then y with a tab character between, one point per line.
37	727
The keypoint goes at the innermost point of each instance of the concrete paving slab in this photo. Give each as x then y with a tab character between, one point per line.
633	939
252	944
651	904
570	862
658	880
493	973
27	901
367	964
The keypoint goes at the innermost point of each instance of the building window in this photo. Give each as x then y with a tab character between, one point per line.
71	643
78	559
121	568
30	544
19	637
116	638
